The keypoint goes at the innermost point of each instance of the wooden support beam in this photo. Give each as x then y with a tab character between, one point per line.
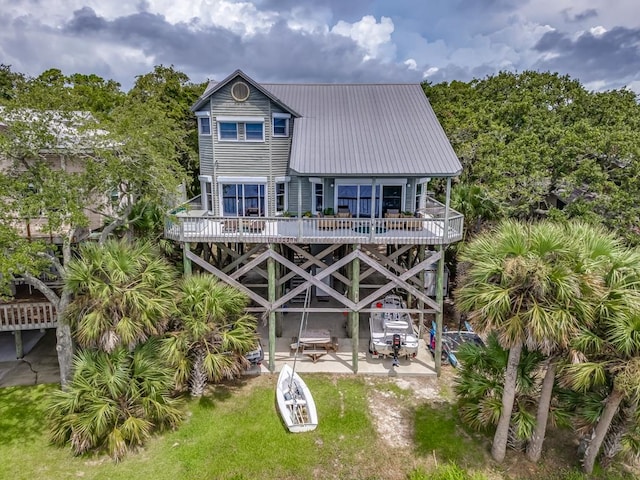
18	341
398	281
440	313
240	259
225	278
186	262
312	280
355	315
313	260
271	269
421	253
252	265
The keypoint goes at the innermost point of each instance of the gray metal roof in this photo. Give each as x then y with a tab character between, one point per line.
365	130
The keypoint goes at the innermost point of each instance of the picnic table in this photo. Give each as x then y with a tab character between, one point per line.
315	343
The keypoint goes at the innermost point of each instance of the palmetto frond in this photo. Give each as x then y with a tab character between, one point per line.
114	402
124	294
212	333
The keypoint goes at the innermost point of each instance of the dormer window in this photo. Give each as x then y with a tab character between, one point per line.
281	124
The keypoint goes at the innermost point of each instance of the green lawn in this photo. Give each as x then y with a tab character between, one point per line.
234	432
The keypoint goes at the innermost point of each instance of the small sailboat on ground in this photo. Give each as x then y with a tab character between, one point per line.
295	403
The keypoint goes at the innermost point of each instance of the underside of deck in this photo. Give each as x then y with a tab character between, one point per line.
343	280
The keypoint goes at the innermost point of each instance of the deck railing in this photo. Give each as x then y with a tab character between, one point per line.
27	316
430	226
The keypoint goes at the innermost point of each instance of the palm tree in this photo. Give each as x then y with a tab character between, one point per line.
479	385
609	354
211	335
124	294
115	401
477	207
521	282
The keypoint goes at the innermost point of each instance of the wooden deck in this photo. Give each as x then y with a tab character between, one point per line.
200	226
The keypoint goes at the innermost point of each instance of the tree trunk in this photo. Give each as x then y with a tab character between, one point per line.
610	408
64	343
534	449
499	447
198	377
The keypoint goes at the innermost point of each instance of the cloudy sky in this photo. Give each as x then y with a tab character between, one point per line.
595	41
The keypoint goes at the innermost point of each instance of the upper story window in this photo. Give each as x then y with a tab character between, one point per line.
228	131
204	125
281	124
240	129
254	132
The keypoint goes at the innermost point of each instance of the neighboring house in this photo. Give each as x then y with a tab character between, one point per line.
317	177
43	140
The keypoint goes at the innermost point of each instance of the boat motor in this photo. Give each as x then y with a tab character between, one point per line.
396	344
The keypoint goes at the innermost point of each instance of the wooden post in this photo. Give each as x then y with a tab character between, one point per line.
355	316
421	251
440	312
18	339
271	273
186	261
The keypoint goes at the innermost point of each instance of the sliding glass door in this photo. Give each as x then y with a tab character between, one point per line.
243	199
360	199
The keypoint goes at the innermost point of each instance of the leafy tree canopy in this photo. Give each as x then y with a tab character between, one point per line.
527	139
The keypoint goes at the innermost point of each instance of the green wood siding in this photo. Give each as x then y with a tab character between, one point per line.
240	158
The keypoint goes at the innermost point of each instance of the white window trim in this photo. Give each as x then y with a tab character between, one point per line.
254	140
317	181
284	181
200	117
239	119
228	179
245	180
285	116
380	182
220	139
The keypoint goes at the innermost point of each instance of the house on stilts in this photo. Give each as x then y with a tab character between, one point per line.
321	186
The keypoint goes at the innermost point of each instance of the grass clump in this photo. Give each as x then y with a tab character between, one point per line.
438	433
448	471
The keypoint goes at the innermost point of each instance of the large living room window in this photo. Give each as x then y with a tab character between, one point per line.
243	199
358	198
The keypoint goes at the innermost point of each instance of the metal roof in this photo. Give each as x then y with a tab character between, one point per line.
365	130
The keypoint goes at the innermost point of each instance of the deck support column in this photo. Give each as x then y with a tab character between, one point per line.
186	261
440	312
271	293
421	253
355	316
18	339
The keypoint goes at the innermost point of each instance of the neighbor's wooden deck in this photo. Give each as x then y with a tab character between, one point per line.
24	315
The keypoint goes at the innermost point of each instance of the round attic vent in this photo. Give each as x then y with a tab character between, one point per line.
240	91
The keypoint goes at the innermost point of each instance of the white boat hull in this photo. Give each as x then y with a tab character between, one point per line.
385	321
295	403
